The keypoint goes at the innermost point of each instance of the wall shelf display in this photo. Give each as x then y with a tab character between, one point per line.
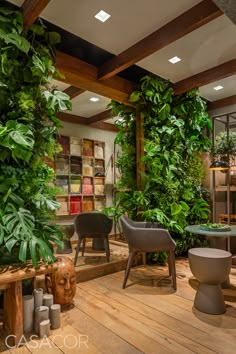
80	173
223	181
223	187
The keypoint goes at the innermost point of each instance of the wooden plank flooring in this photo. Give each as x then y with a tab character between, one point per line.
142	318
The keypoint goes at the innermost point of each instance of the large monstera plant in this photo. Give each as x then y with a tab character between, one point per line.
28	132
174	136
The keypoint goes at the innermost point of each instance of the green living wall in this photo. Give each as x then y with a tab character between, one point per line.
28	131
174	137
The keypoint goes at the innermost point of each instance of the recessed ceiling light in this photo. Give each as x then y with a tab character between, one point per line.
217	88
102	16
174	60
94	99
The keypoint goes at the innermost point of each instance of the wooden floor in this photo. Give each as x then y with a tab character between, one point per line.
146	317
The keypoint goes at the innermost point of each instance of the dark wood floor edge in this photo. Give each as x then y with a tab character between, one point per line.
100	270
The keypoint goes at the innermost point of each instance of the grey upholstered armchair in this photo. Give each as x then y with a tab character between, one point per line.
145	237
92	225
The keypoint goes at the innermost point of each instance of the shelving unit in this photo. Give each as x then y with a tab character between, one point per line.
223	196
80	173
223	184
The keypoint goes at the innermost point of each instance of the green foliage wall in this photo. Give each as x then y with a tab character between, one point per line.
28	130
174	136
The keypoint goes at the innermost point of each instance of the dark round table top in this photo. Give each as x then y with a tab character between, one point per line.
195	229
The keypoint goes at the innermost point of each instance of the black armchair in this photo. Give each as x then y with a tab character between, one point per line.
92	225
145	237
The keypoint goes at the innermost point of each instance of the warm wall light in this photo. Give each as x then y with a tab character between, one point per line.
219	165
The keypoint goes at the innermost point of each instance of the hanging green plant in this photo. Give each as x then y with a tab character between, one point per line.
28	131
224	147
173	137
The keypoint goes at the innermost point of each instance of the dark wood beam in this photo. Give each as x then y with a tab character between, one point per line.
180	26
223	102
100	116
84	75
73	91
105	126
31	10
206	77
72	118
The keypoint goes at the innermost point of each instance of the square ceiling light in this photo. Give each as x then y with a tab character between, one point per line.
102	16
174	60
217	88
94	99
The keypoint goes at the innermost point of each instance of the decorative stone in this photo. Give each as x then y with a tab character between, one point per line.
48	300
41	314
28	313
55	319
38	297
62	283
44	329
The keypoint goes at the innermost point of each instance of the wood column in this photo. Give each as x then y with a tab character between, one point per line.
140	167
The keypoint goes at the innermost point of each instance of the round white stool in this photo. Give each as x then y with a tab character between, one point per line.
211	267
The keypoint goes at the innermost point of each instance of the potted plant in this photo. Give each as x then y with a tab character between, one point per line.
224	147
28	132
223	150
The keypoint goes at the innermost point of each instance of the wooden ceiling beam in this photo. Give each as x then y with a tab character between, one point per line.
73	91
81	74
206	77
31	10
72	118
223	102
180	26
105	126
100	116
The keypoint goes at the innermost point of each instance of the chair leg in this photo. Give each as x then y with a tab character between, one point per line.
169	263
129	265
173	269
107	248
144	260
77	250
84	242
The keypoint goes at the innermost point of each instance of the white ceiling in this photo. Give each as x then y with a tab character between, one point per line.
129	22
82	106
132	20
208	46
229	85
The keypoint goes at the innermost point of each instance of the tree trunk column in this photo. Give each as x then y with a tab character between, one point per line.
140	167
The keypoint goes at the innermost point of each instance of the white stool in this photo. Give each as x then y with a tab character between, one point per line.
211	267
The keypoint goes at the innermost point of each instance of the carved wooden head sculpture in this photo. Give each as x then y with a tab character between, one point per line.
62	283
